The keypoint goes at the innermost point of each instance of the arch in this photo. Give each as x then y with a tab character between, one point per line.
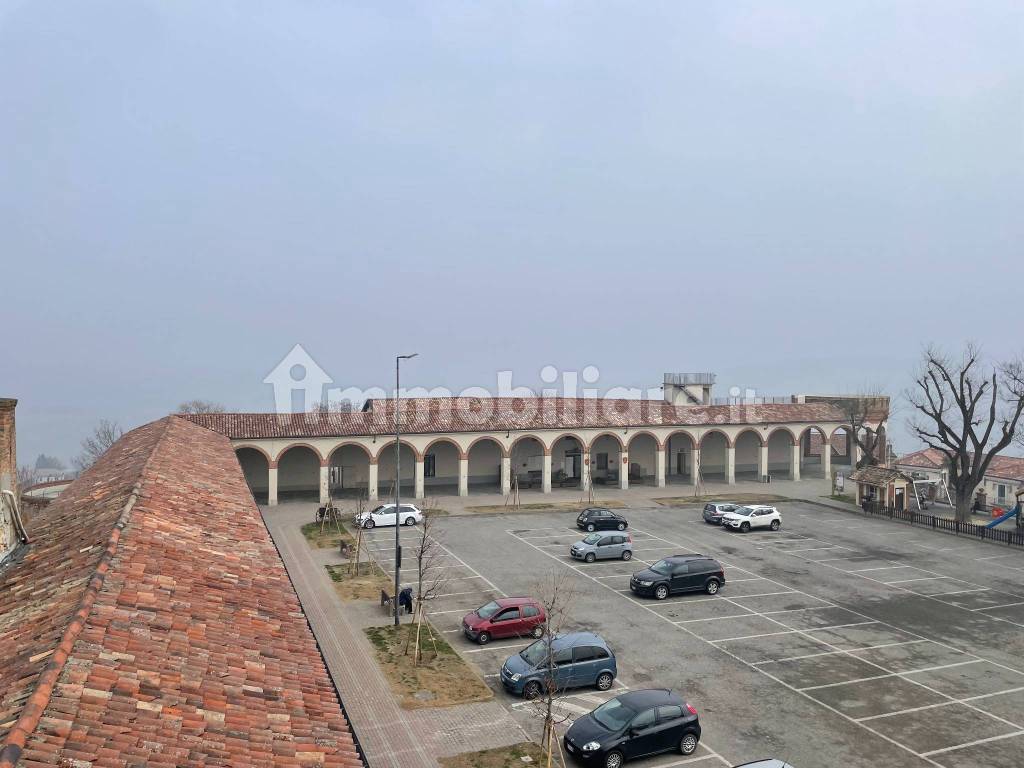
567	455
255	464
716	431
348	472
714	455
528	436
643	447
389	446
812	453
747	446
781	428
483	458
444	439
253	447
504	450
607	433
657	442
761	440
346	443
298	472
308	446
780	442
679	447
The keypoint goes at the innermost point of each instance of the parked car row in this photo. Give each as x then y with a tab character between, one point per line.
637	723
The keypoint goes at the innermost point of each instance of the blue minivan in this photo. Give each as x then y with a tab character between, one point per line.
580	659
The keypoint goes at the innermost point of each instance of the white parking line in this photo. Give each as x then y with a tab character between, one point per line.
923	578
944	750
868	570
752	637
994	607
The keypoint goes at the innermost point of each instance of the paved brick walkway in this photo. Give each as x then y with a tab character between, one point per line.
390	736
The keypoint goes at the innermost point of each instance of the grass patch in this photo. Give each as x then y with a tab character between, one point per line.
548	506
329	538
501	757
738	498
365	583
439	681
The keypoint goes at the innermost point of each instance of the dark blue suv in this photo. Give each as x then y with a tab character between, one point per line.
578	659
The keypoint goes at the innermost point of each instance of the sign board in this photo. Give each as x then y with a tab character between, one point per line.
840	481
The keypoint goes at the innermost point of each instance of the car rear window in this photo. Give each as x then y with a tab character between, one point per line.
709	507
529	611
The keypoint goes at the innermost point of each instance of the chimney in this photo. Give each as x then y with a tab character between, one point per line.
8	478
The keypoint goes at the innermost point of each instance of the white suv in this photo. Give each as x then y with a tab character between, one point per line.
753	516
385	515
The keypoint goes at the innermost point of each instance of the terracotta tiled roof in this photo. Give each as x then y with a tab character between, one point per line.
1005	467
152	623
471	414
878	476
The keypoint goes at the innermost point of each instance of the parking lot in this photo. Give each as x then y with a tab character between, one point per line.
869	642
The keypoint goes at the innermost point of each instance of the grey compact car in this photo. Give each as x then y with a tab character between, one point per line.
603	546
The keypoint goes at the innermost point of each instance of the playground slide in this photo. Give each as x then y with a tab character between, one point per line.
1005	516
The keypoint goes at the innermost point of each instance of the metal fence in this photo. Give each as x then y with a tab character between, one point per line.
1013	537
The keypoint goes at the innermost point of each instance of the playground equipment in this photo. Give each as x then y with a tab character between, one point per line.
923	488
1015	512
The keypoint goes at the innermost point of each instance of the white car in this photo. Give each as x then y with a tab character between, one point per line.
385	515
753	516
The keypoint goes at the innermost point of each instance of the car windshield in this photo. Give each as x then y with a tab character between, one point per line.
485	612
613	715
592	538
664	567
535	653
743	511
379	510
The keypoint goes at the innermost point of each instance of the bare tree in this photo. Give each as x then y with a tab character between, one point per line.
431	575
200	406
556	592
103	436
864	414
969	412
26	477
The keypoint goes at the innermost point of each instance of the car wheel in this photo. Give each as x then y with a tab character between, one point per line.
531	690
613	760
604	681
410	521
590	528
589	557
661	592
537	631
627	555
688	744
622	526
483	638
776	525
712	587
369	523
745	528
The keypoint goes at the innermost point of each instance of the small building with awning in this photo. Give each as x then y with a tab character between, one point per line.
882	485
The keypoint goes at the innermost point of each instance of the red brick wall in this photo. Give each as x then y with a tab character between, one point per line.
8	456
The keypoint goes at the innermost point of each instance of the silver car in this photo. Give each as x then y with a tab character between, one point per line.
603	546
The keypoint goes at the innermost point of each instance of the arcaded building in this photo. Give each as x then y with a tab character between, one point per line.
469	445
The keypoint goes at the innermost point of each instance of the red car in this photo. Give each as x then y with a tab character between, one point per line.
505	617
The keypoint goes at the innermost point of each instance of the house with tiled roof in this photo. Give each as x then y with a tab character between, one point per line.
1005	473
463	445
146	619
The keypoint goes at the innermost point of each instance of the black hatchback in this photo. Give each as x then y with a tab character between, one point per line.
635	724
679	573
601	519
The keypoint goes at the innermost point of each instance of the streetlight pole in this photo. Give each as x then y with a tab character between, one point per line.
398	480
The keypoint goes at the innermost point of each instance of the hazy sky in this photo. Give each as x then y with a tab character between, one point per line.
795	195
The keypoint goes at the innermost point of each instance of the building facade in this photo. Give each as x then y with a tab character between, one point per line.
465	445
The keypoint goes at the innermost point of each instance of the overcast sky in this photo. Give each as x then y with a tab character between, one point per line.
795	195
